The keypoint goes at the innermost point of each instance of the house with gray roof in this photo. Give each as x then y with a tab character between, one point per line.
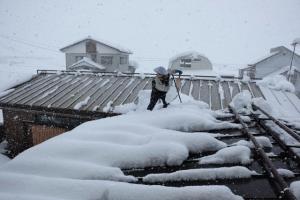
276	62
95	55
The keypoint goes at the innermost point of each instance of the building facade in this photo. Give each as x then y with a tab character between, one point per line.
277	62
190	62
278	58
110	57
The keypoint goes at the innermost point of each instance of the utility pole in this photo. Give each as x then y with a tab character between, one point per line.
291	64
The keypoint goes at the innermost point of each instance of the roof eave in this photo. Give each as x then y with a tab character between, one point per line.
58	111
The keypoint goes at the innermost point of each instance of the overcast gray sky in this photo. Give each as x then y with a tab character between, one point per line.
226	31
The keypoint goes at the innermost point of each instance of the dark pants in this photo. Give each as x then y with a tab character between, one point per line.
155	95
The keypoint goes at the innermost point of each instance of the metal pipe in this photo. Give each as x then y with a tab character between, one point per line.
268	165
176	88
289	72
281	125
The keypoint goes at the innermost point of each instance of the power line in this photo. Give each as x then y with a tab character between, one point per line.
29	44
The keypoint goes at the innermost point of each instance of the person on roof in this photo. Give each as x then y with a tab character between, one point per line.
160	86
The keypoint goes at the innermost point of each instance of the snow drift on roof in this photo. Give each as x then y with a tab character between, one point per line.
277	82
87	61
90	156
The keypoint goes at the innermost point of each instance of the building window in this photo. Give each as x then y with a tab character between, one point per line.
106	60
77	58
186	63
94	57
123	60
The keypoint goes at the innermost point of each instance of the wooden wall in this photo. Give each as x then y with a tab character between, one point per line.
23	130
41	133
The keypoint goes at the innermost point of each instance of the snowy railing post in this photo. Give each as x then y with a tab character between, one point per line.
295	42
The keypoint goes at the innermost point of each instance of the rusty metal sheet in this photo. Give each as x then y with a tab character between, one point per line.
89	87
127	91
215	96
226	92
61	92
255	90
135	91
204	91
185	89
234	88
21	92
195	89
98	93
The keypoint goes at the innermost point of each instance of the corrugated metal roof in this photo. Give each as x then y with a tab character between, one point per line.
66	90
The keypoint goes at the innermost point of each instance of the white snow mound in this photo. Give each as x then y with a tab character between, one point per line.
277	82
92	155
201	174
232	155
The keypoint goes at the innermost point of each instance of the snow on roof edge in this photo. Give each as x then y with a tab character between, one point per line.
88	61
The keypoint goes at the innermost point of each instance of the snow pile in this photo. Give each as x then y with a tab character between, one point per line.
262	140
82	103
242	101
91	155
277	82
246	78
264	105
3	159
295	188
108	107
294	123
286	173
107	190
143	101
142	75
201	174
232	155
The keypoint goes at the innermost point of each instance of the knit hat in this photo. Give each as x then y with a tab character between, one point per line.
160	70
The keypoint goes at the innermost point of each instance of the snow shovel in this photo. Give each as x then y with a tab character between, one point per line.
177	87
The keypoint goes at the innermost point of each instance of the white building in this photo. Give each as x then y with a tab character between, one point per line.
192	63
277	62
95	55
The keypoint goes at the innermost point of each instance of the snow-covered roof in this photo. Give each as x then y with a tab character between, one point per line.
258	60
74	88
283	70
86	62
109	44
273	52
185	151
